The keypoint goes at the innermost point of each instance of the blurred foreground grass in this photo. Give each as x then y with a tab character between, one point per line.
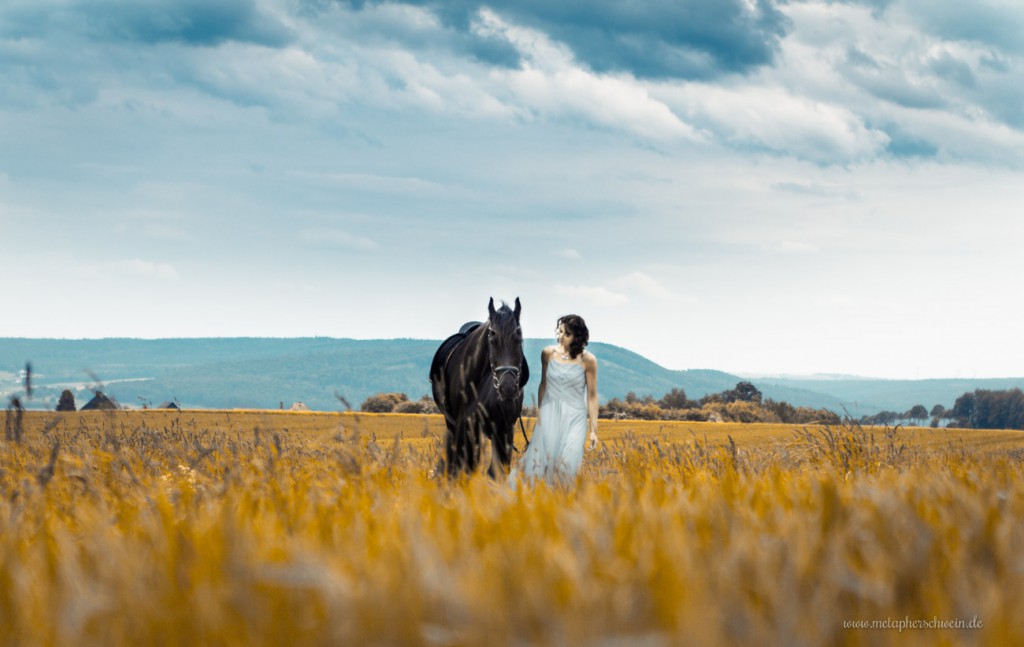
255	528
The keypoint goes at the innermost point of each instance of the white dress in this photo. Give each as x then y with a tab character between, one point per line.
556	449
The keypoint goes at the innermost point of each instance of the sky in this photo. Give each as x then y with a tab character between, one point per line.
754	186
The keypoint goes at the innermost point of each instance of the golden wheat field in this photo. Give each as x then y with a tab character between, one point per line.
273	528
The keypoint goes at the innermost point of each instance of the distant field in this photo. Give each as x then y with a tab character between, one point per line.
270	527
430	428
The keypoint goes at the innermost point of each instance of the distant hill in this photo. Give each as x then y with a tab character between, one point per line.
874	395
267	372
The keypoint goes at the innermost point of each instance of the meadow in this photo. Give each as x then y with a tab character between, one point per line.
269	528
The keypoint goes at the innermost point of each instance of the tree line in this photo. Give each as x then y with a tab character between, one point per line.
982	409
744	403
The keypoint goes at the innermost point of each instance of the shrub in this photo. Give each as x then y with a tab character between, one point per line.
383	402
423	405
67	401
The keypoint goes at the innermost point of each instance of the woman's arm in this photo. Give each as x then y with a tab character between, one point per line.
590	366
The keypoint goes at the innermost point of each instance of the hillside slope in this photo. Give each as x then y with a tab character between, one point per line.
269	373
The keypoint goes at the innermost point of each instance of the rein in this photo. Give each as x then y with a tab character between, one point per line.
523	429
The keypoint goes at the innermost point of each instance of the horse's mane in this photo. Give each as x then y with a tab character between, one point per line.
504	316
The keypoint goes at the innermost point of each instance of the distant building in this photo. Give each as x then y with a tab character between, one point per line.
169	405
101	402
299	406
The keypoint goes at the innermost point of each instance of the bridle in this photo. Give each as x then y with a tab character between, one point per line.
497	372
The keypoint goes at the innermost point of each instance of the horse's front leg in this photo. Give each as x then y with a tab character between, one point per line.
501	456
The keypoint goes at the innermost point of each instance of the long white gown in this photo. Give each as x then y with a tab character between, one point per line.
556	449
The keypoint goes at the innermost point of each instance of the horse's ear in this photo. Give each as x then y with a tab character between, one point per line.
490	308
517	310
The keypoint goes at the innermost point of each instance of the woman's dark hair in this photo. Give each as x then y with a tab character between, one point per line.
580	335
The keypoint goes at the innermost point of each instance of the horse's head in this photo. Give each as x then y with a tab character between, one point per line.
505	348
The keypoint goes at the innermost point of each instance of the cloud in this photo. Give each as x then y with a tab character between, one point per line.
337	238
619	291
892	69
569	254
778	121
816	189
829	82
551	83
657	39
643	284
193	22
995	23
594	295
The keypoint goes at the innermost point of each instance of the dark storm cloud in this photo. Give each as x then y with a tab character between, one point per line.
657	39
877	6
192	22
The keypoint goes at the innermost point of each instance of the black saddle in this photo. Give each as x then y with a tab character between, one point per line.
448	346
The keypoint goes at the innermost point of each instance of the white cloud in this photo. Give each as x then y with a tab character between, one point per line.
945	96
552	84
594	295
773	118
569	253
643	284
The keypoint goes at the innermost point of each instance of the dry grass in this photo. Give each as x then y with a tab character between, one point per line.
306	528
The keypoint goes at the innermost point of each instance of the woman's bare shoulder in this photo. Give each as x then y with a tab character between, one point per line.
589	359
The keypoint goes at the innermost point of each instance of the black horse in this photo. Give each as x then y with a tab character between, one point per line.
478	376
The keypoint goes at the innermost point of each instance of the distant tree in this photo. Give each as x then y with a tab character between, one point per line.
674	399
998	409
917	412
744	392
383	402
986	409
67	401
962	411
881	418
938	411
747	392
784	411
827	417
743	411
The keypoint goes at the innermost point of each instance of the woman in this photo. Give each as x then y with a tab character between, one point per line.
567	399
